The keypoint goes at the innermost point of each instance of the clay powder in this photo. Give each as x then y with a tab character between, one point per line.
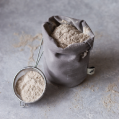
30	86
66	34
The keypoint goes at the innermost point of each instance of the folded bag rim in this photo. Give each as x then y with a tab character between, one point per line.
75	46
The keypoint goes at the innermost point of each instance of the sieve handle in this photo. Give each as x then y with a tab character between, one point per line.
22	104
39	56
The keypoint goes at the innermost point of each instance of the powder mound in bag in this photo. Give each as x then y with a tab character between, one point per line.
66	34
30	86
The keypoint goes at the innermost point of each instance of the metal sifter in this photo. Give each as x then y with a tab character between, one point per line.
23	72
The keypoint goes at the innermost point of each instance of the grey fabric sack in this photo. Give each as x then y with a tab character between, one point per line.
67	66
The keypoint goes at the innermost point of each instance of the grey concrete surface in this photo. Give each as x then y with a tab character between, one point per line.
91	99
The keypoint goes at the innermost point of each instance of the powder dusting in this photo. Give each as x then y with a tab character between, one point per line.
32	49
27	40
110	101
66	34
30	86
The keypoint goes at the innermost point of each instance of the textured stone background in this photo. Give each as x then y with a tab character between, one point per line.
97	97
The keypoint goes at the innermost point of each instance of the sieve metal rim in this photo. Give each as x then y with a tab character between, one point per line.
39	71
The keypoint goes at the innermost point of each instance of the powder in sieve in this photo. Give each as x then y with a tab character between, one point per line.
30	86
66	34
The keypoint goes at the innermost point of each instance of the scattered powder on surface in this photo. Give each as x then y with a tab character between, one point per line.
92	88
30	86
110	101
27	40
32	49
111	87
66	34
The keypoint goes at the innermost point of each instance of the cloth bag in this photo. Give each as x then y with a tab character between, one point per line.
67	66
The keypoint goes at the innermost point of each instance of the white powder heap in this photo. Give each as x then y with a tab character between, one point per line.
30	86
66	34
